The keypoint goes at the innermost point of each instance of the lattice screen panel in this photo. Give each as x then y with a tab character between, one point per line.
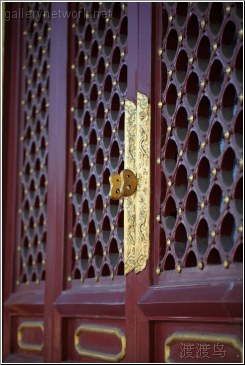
201	135
100	72
34	143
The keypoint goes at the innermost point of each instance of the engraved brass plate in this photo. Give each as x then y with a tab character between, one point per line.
207	338
111	331
137	206
29	325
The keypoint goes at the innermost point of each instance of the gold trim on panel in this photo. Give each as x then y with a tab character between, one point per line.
130	202
201	337
137	206
143	189
112	331
28	346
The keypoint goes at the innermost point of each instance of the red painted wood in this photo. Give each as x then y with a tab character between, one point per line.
196	300
10	141
56	177
103	302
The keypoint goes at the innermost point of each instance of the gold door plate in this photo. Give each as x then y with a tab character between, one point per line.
137	206
123	184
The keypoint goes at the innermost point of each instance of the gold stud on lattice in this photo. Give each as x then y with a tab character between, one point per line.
191	118
241	33
91	210
213	234
226	199
82	279
112	276
159	52
191	59
179	211
215	108
169	183
190	238
228	9
228	71
180	38
180	94
226	264
114	37
120	201
123	6
85	101
240	229
169	128
107	65
39	242
19	211
31	209
25	33
90	255
202	84
84	234
18	248
203	24
40	205
106	110
17	282
73	67
70	236
120	250
202	205
191	178
112	227
214	171
170	18
158	271
241	163
107	20
178	268
96	278
73	25
202	145
69	279
85	145
31	171
114	83
84	190
200	265
23	68
122	54
37	281
78	170
181	153
240	98
215	46
168	242
227	135
105	159
160	104
76	257
158	218
27	283
158	161
71	150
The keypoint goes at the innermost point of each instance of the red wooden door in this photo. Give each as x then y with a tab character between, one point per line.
70	68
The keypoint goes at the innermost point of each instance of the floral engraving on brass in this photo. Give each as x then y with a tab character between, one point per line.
143	191
123	184
130	202
103	330
137	206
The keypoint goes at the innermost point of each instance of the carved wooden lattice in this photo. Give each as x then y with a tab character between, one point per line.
201	135
34	121
97	145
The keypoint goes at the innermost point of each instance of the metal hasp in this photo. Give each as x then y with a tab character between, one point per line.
123	184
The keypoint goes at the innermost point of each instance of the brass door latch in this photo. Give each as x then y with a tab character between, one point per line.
123	184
